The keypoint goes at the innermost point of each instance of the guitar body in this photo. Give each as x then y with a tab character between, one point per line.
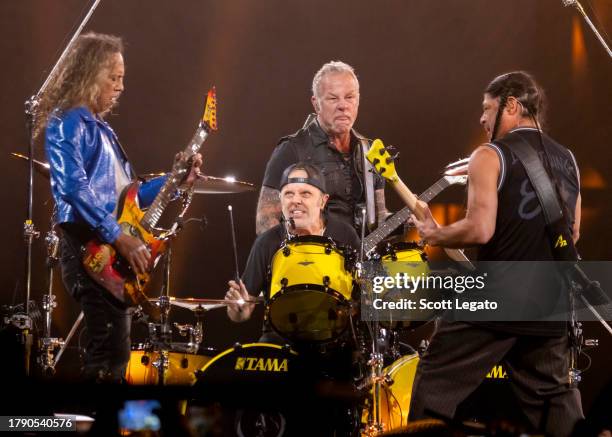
108	269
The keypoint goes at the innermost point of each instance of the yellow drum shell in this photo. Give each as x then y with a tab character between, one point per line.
405	258
309	262
180	371
310	291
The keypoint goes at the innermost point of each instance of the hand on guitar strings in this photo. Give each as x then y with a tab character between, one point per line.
428	227
194	172
134	251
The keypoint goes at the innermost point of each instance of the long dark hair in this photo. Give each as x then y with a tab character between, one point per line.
76	80
523	87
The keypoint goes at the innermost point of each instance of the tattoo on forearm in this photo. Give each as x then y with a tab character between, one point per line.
381	208
268	209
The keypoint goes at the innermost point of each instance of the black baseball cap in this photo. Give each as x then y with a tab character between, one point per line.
315	176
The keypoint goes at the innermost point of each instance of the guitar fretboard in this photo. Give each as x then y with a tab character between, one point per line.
393	222
170	187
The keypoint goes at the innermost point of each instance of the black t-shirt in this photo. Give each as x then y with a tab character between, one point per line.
342	172
256	275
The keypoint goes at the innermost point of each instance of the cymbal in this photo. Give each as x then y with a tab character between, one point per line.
206	184
193	303
214	185
41	167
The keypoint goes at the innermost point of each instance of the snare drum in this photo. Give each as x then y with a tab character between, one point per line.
311	287
181	366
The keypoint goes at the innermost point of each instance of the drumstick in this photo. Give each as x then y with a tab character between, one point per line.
229	208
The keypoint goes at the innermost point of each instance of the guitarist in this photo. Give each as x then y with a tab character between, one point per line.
89	169
504	220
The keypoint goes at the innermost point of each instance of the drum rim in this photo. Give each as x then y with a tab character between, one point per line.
245	346
321	240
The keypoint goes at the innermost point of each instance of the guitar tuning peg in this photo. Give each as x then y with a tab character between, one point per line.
375	162
393	158
382	151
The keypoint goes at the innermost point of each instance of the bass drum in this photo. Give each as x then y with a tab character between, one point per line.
311	289
395	394
251	363
141	369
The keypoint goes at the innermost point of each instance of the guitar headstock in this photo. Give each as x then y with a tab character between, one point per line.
209	119
382	161
456	179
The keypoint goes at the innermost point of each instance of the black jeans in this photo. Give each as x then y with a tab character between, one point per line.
107	320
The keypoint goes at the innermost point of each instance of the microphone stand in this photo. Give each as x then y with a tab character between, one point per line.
578	6
29	229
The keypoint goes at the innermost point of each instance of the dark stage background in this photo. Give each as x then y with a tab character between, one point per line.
422	65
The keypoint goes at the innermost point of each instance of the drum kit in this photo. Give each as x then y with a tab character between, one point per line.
314	299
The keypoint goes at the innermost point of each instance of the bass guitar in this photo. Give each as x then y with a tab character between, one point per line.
384	164
104	264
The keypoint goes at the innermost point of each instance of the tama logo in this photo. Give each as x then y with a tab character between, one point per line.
262	364
497	372
561	242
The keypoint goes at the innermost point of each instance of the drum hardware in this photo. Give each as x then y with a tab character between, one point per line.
48	344
234	245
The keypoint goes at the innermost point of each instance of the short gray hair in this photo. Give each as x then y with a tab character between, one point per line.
329	68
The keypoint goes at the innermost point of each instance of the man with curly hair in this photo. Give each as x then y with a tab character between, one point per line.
89	169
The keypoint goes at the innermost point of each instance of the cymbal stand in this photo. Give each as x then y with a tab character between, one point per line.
161	338
49	344
375	362
195	334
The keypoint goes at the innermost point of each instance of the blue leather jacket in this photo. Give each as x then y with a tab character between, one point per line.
83	171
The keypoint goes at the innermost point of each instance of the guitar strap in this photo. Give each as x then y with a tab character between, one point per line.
368	182
558	229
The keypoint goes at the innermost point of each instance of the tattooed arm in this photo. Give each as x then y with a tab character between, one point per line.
268	209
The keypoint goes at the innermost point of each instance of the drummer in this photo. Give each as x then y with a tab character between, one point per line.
303	197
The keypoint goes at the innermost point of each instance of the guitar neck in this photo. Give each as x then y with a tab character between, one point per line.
400	217
170	187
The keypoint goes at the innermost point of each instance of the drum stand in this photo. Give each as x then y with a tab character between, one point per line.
49	344
375	362
161	338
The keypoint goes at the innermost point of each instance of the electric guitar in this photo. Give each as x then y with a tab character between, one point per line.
104	264
384	164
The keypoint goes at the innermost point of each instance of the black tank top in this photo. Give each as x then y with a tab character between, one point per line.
520	233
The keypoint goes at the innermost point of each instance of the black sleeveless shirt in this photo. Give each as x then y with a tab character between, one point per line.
520	233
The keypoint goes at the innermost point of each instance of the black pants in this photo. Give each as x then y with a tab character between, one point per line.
460	355
107	320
